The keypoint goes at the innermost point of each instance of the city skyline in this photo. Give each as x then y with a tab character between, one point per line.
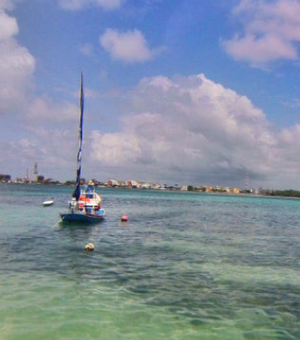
175	92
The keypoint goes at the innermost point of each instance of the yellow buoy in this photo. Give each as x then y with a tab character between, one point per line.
89	247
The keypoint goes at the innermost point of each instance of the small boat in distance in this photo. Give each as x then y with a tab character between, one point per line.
85	206
48	203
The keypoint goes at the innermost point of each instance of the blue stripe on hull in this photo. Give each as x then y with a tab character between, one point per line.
81	218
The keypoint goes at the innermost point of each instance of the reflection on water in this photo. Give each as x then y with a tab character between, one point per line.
184	266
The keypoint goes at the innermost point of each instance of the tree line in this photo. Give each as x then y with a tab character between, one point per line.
281	193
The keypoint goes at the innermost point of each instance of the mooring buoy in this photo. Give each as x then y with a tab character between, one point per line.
124	218
89	247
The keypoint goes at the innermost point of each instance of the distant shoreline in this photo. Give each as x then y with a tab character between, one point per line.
161	190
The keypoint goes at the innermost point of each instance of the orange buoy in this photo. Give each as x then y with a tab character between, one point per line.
124	218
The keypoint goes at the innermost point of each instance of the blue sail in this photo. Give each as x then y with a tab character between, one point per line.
76	193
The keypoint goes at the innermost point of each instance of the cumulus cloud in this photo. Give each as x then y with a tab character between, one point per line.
193	130
32	142
190	129
7	4
129	47
48	135
42	109
271	31
8	26
34	126
56	159
182	130
81	4
16	67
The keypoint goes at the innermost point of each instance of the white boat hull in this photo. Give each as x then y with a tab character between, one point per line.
48	203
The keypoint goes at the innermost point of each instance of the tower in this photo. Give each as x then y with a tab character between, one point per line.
35	170
247	181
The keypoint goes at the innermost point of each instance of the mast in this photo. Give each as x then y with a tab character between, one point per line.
76	193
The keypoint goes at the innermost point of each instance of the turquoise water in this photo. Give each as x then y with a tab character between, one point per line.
184	266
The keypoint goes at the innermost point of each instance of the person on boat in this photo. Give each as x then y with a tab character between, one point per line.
89	191
72	204
89	195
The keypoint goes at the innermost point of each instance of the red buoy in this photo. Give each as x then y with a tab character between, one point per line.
124	218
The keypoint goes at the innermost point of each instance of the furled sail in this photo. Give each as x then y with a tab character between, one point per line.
76	193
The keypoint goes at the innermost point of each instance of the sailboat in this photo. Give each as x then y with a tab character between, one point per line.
85	205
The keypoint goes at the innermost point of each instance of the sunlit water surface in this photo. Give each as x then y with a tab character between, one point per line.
184	266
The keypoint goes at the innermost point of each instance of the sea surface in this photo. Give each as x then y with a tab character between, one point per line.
185	266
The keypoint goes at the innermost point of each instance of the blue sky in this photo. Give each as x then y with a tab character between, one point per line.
186	91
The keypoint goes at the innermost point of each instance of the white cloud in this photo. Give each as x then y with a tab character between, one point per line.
42	109
184	130
54	149
7	4
271	32
189	129
37	124
193	130
117	148
129	47
16	67
8	26
80	4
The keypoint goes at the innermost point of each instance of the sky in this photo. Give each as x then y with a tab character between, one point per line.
187	92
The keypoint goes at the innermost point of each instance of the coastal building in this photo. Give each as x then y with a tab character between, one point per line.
156	186
112	183
40	178
132	184
5	178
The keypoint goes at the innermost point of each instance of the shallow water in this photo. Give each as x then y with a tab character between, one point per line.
184	266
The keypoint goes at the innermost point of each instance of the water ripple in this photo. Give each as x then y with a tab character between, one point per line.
227	265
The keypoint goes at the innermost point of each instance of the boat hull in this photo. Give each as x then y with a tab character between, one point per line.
73	217
48	203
